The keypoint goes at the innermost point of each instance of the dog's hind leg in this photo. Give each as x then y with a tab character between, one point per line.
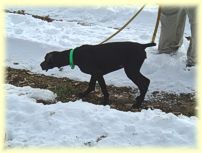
91	87
102	84
141	81
143	84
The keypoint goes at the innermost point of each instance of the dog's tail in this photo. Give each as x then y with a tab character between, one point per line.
149	44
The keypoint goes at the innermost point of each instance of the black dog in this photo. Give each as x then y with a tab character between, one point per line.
98	60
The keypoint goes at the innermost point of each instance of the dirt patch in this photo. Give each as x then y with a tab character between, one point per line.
47	18
121	98
22	12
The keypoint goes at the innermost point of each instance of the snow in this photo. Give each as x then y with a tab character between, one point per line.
35	37
78	124
81	124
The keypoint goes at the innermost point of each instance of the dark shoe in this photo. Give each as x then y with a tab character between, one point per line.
189	65
171	51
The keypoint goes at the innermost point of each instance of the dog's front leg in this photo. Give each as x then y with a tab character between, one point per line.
102	84
91	87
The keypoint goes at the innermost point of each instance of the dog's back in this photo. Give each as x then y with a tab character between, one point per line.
112	56
114	49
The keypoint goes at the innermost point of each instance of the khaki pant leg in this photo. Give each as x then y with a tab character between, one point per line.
191	52
172	29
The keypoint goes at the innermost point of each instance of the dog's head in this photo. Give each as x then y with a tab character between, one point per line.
48	62
54	59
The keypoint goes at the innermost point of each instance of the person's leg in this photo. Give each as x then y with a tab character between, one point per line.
172	29
191	52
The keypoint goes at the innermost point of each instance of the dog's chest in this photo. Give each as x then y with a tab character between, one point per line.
86	69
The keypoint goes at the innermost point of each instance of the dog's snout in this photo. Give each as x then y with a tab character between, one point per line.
43	66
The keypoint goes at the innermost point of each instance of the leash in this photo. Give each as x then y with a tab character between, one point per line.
71	63
130	20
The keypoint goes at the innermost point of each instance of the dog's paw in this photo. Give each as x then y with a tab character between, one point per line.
81	95
136	106
138	103
105	101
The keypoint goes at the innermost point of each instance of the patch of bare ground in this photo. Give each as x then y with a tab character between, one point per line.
121	98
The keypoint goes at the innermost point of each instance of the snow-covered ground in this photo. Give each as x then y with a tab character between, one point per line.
80	123
29	39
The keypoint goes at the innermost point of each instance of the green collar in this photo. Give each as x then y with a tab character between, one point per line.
71	63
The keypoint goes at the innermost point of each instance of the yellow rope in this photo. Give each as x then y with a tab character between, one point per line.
131	19
156	26
123	25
